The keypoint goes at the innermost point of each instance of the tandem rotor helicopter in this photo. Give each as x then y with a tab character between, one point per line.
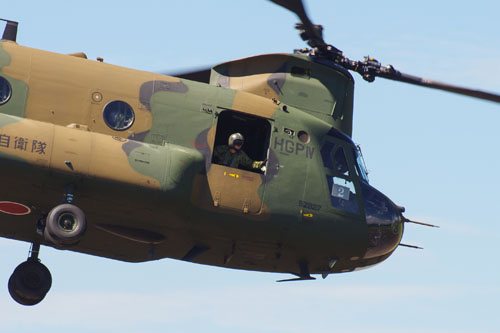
123	164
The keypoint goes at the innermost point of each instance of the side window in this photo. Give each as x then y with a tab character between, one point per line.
5	90
341	188
118	115
249	135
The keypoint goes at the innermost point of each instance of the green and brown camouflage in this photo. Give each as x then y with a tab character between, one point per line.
119	163
151	191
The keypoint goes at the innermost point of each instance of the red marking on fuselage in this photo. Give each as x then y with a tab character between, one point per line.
248	178
199	145
14	208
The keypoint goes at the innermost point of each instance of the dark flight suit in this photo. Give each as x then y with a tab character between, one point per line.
223	156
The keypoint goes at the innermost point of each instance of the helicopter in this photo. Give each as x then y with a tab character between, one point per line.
106	148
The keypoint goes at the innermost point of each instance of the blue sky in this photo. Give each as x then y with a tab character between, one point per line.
433	152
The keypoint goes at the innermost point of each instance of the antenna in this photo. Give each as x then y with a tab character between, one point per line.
411	246
10	31
420	223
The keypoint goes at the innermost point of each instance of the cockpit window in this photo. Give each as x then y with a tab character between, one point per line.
334	158
335	161
360	164
326	151
343	166
340	162
341	188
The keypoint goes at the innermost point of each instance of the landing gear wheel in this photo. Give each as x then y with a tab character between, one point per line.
65	225
30	282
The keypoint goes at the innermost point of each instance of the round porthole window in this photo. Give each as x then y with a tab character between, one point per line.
118	115
5	90
304	137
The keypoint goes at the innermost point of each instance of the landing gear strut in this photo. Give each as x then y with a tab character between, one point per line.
31	280
64	226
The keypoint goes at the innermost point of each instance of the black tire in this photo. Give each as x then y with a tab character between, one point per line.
20	299
50	239
30	282
65	225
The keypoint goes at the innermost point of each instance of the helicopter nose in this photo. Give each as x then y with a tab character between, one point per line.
385	222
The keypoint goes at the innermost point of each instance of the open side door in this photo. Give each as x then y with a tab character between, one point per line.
239	188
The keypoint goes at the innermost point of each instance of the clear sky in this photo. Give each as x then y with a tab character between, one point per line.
433	152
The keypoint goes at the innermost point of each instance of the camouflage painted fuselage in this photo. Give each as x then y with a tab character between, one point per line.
151	191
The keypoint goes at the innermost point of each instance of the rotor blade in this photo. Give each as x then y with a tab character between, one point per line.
402	77
313	34
10	31
295	6
199	75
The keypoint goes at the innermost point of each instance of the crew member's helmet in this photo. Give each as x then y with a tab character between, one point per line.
236	139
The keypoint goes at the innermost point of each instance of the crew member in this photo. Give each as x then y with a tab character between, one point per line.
233	156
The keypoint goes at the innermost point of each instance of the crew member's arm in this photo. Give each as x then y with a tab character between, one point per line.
219	153
248	163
